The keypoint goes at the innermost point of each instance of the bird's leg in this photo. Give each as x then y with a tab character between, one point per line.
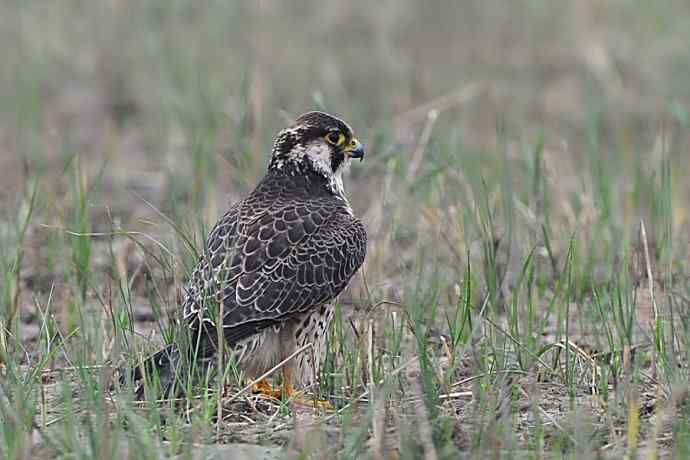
265	388
288	392
296	397
288	389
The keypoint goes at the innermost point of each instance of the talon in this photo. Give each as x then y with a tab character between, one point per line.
296	397
315	403
288	393
265	388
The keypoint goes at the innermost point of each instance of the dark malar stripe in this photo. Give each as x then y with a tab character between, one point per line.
337	159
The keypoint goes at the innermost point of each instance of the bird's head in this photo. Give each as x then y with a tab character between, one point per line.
318	142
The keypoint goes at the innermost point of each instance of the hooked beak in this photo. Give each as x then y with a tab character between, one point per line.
355	150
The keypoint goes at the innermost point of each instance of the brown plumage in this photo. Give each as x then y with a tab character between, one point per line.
275	262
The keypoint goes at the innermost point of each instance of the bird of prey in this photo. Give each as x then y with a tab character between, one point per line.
274	264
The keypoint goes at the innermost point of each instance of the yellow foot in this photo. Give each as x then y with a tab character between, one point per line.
296	397
316	403
265	388
289	394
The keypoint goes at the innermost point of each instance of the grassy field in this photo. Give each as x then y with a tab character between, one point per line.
526	292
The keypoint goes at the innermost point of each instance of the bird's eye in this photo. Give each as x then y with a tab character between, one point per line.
335	138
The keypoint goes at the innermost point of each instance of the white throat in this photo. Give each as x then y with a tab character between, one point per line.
319	153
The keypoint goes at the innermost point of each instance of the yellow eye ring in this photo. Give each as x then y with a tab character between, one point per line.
335	138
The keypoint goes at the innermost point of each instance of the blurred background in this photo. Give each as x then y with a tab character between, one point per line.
526	124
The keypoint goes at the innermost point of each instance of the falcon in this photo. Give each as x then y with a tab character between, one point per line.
273	266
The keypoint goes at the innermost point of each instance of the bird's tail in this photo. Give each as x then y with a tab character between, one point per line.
170	370
158	370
